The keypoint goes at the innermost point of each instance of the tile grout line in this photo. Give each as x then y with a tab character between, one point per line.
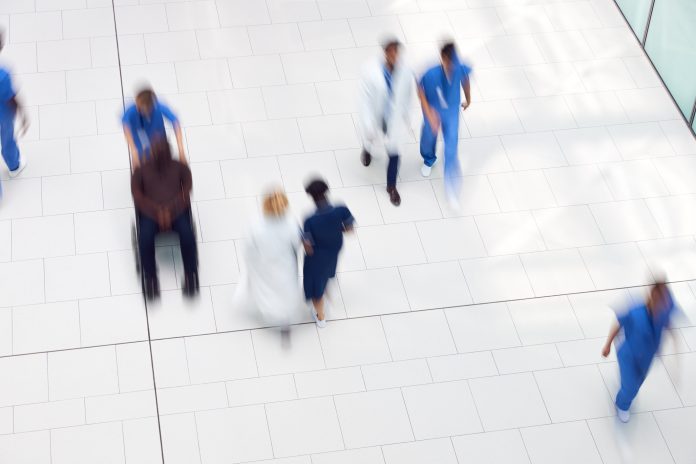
145	304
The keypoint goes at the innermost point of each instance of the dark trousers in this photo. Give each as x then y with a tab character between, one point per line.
182	226
392	169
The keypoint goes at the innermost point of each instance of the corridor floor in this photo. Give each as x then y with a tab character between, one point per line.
455	337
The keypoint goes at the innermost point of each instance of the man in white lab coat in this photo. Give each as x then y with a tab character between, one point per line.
386	91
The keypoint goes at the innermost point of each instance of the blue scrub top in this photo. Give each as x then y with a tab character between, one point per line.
444	94
642	334
7	92
144	128
324	229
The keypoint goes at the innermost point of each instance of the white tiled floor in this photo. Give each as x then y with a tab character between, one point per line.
455	336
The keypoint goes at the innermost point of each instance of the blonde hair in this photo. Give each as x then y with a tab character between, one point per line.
275	203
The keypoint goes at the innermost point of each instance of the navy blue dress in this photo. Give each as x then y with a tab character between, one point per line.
324	230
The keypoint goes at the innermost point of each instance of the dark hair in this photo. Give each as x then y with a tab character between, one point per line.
317	189
448	50
146	96
389	43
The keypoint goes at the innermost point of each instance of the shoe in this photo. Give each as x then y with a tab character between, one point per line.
426	170
321	324
365	157
394	196
191	285
151	288
623	416
20	168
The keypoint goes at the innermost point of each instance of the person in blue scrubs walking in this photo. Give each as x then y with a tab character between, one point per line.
323	239
441	99
143	121
9	110
642	326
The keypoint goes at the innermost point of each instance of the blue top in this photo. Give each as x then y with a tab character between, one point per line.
642	334
324	229
444	94
7	91
144	128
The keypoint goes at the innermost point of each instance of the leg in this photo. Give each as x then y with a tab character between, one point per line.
631	380
392	169
189	251
428	143
319	307
148	232
10	150
450	134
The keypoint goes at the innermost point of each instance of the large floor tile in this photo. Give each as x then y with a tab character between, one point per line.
638	441
571	442
435	451
418	335
290	423
304	354
545	320
508	401
492	447
497	278
371	418
390	299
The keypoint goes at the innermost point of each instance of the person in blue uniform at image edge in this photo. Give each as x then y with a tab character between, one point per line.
9	109
323	240
642	327
440	98
143	121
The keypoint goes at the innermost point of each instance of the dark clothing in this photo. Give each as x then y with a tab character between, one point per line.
392	169
159	185
181	224
324	231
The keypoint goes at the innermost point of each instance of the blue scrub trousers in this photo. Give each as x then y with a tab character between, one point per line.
449	121
8	144
632	377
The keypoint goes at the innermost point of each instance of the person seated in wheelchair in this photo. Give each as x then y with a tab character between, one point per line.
161	189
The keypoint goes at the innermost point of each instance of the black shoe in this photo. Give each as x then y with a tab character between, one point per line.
191	285
365	157
151	288
394	196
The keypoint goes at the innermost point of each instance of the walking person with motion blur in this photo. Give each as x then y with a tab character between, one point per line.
143	122
641	329
271	283
10	108
386	90
440	98
323	240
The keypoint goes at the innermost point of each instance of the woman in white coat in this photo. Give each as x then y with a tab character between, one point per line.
386	92
271	282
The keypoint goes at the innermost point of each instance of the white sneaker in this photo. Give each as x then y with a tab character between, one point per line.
321	324
20	168
426	170
623	416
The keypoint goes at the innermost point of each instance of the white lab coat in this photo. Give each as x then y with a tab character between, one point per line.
271	284
375	102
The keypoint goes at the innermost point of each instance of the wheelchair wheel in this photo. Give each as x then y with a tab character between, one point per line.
136	248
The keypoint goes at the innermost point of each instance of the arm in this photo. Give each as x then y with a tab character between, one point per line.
142	203
182	200
169	114
466	85
428	110
131	147
610	339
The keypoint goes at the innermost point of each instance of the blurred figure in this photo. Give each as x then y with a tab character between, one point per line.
642	326
386	89
10	108
440	99
271	283
161	193
323	240
143	122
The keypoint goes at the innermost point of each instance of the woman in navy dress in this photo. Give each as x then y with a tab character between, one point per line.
323	239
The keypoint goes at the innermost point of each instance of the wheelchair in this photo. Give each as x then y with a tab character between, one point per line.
162	238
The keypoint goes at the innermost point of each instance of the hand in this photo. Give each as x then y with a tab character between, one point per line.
182	157
606	350
308	248
465	105
164	219
434	121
